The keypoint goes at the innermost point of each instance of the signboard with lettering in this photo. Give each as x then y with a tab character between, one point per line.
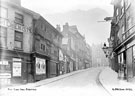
3	62
21	28
12	25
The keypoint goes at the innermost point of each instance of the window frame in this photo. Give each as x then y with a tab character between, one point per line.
6	12
42	47
4	37
20	19
17	40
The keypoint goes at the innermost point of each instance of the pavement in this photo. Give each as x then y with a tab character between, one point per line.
114	86
108	78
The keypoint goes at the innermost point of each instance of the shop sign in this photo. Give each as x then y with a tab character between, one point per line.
5	75
3	62
40	66
12	25
21	28
17	67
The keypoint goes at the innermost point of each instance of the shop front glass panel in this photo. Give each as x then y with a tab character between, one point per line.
129	63
134	60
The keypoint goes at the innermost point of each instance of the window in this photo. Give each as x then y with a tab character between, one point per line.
117	12
42	47
123	32
43	27
55	53
129	24
134	52
17	67
3	36
122	11
18	40
3	12
18	18
127	3
122	3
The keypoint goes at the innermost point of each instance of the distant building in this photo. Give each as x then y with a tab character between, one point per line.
98	56
75	45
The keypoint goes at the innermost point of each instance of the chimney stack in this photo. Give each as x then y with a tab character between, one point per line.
58	28
65	27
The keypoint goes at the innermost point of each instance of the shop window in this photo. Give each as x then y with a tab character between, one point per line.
134	52
134	60
4	67
3	12
123	32
40	66
3	36
18	40
17	66
18	18
129	25
5	71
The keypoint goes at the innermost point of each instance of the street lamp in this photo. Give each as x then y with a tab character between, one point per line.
105	49
109	53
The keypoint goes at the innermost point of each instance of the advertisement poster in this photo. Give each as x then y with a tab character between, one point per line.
16	67
40	66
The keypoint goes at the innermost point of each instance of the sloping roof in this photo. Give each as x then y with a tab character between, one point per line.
34	14
53	28
30	12
74	30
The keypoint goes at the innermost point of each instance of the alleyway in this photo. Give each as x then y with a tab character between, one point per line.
84	83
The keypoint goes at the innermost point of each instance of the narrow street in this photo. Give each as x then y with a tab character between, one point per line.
84	83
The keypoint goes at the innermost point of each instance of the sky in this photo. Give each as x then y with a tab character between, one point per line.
85	14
